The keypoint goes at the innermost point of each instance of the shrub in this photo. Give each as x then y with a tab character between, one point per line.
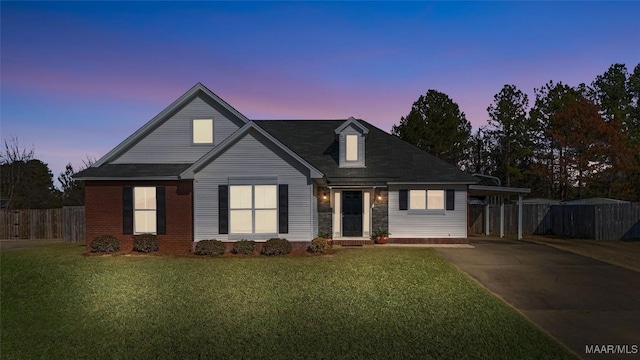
105	243
145	243
209	247
244	247
319	245
276	246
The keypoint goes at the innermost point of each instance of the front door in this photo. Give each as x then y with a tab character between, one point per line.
352	213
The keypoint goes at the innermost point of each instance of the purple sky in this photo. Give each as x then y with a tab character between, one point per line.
78	78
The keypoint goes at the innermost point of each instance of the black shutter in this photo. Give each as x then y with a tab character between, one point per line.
283	209
404	195
127	210
451	199
223	209
161	211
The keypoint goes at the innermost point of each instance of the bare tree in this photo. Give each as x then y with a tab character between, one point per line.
13	161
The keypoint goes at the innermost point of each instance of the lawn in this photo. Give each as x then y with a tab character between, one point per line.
378	303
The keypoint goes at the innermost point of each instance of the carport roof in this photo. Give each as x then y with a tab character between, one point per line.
487	190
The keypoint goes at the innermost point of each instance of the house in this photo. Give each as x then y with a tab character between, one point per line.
202	170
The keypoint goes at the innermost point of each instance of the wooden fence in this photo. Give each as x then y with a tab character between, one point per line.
66	223
600	222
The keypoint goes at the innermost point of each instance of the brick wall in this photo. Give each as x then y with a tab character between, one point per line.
103	206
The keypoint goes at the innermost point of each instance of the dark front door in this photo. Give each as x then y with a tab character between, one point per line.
352	213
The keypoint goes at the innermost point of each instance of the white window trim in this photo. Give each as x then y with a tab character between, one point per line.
253	210
426	209
147	210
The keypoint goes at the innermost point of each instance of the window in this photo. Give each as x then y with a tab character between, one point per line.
144	218
203	131
417	199
435	199
426	199
352	148
253	209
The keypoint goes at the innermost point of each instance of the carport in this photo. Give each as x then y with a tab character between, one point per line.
499	192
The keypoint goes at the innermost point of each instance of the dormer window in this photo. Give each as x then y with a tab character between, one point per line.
351	136
352	148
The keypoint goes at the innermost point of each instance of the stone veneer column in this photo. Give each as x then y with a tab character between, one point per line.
324	210
380	212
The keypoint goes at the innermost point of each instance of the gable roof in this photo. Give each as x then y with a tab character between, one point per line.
388	159
355	123
196	90
189	173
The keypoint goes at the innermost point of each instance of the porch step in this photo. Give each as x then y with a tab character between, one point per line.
353	242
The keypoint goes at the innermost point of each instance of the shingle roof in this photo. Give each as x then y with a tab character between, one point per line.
387	157
132	171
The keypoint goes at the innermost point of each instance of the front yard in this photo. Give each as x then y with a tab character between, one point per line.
378	303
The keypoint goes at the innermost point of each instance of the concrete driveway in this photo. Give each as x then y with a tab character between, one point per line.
14	244
580	301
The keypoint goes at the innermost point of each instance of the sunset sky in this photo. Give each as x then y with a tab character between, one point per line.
77	78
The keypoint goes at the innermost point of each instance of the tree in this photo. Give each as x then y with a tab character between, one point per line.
610	92
478	157
436	124
13	159
511	131
26	182
72	190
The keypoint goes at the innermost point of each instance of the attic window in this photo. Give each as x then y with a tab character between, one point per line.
203	131
352	148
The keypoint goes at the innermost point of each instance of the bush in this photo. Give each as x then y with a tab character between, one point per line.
319	245
276	246
244	247
105	243
209	247
145	243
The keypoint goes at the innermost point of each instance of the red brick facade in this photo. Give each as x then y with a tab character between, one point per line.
103	213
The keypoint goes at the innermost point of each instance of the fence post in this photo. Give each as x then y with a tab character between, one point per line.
519	216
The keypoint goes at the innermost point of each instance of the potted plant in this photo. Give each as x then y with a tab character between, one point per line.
381	235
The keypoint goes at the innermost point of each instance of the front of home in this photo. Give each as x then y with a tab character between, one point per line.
202	170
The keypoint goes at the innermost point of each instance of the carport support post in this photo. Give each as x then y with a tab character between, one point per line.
519	216
501	216
486	216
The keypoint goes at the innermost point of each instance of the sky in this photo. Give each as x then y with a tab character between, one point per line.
77	78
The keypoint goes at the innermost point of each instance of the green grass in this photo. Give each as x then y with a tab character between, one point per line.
357	304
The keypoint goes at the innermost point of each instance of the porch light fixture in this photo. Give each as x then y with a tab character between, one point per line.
324	196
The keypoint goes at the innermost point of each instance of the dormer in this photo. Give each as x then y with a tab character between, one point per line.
351	136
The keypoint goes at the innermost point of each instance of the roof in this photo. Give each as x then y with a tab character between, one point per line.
132	171
388	159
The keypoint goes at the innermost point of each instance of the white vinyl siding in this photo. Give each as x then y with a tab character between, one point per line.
172	140
352	148
202	131
144	210
252	156
428	223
